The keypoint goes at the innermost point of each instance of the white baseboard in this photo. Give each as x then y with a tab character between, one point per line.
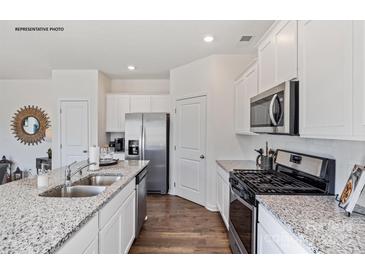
213	208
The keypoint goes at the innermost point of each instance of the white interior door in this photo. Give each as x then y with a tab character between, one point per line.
190	149
74	131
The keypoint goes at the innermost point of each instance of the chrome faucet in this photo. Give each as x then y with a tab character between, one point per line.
69	174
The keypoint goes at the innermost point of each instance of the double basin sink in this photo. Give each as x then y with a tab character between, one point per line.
89	186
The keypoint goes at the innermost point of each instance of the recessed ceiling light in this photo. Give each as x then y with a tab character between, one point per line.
131	67
208	38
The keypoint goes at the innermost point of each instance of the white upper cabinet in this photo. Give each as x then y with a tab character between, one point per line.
266	59
325	74
278	55
140	103
239	101
116	108
160	103
286	45
245	88
118	105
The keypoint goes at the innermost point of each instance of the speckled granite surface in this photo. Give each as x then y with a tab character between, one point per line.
318	222
229	165
33	224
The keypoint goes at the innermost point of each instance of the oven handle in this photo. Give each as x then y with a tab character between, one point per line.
251	207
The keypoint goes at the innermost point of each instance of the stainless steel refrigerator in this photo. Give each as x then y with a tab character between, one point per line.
147	138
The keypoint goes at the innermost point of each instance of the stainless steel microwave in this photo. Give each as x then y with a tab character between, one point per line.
276	111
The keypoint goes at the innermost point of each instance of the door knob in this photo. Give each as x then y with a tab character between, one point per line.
202	156
85	151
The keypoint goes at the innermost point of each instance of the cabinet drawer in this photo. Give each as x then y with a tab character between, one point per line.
82	239
112	206
278	233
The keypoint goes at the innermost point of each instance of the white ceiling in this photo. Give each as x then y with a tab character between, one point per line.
154	47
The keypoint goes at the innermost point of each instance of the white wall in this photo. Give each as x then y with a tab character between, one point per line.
104	86
214	76
140	86
13	95
75	84
346	153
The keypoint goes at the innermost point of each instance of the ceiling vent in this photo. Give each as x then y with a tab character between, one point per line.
246	38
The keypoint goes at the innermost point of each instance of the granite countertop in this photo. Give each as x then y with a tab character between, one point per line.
229	165
318	223
33	224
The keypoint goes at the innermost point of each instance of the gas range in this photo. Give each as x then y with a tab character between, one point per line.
294	174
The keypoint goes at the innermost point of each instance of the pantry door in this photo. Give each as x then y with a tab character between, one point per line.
191	148
74	143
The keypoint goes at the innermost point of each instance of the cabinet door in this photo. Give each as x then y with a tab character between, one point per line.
140	103
116	108
325	78
160	103
286	47
359	80
82	241
127	220
93	248
240	102
265	244
266	60
246	88
251	89
273	237
225	204
110	236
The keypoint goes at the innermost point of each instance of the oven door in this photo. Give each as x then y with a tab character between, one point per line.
242	228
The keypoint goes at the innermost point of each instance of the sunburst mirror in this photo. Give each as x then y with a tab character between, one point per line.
29	125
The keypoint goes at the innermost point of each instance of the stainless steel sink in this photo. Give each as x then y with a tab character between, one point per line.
89	186
74	191
97	180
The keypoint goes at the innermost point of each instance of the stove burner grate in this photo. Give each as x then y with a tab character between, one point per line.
271	182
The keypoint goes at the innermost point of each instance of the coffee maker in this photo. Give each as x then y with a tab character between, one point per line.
119	144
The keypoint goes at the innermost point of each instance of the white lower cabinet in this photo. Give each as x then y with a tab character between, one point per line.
265	244
110	231
273	238
128	221
223	189
83	241
110	236
93	248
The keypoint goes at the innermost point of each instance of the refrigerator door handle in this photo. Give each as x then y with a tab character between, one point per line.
143	142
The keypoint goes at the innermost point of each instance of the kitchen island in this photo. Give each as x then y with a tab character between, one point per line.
315	222
34	224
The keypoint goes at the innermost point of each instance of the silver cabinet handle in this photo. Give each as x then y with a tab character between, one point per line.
202	156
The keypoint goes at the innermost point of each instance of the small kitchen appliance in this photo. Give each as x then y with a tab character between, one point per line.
294	174
276	111
119	145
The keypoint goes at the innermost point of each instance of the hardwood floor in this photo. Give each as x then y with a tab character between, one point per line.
176	225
